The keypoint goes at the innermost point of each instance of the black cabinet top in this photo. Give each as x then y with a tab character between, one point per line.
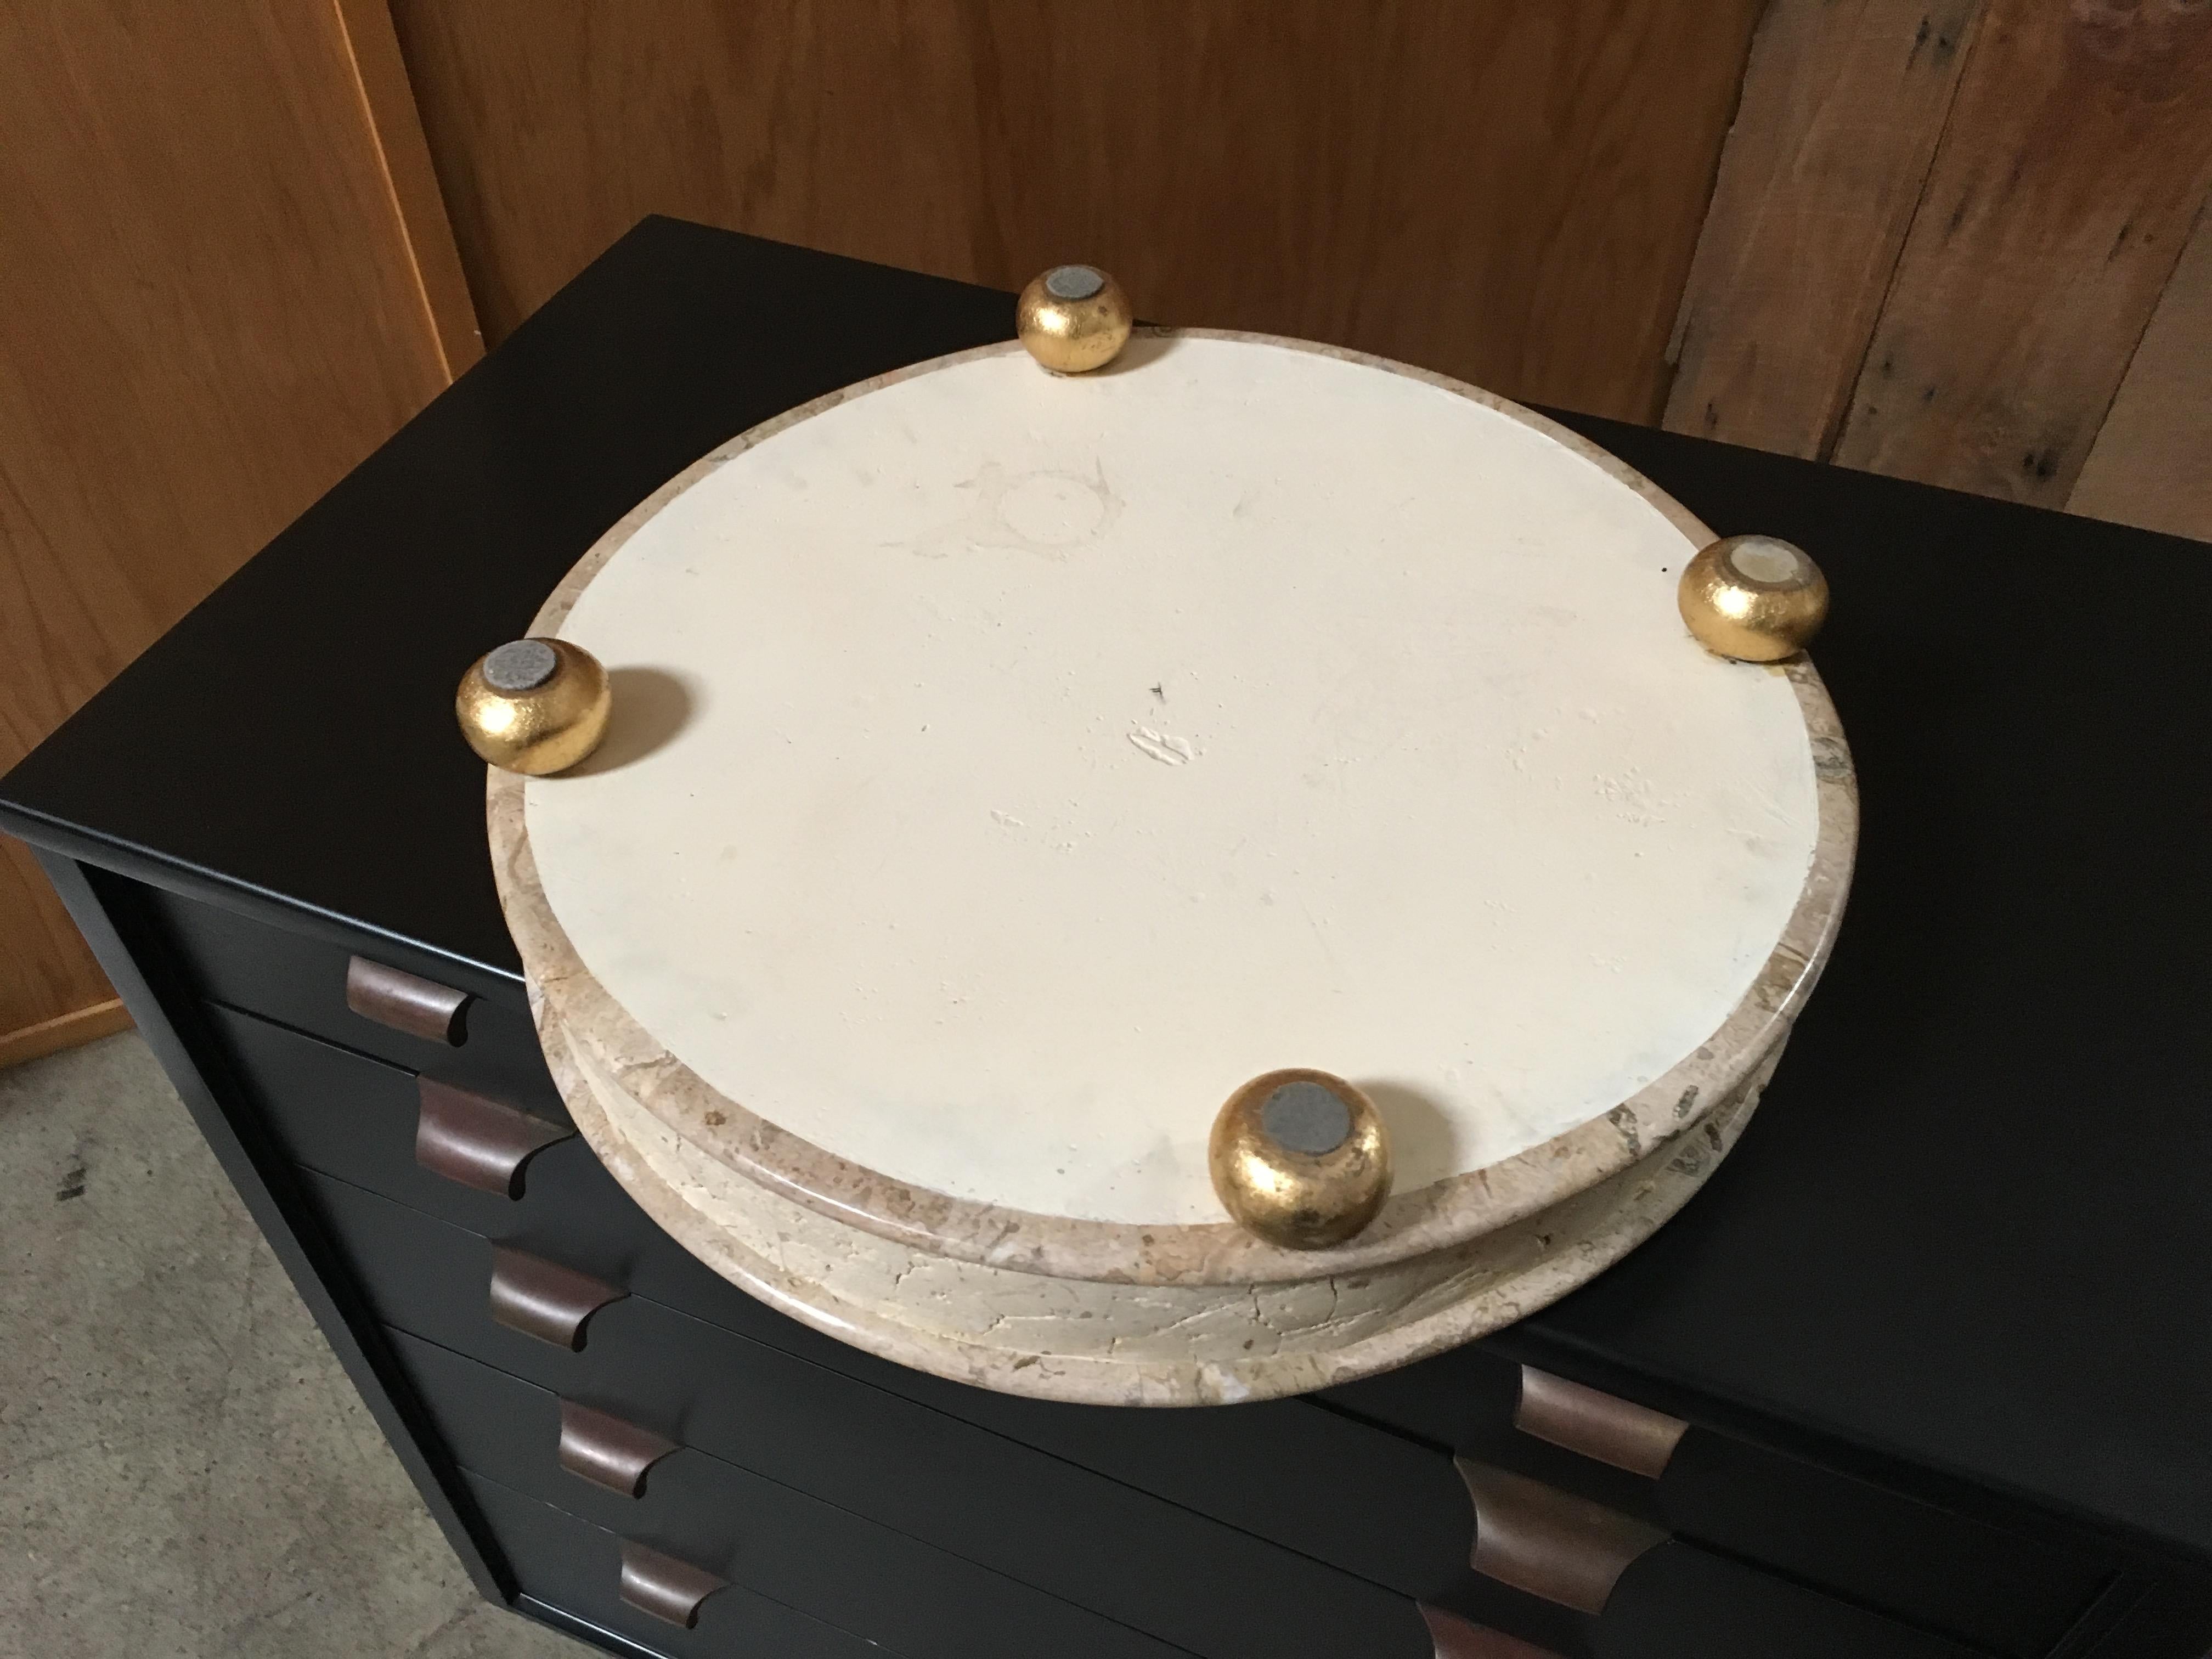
1970	1228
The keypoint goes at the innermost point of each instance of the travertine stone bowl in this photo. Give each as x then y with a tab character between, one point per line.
1004	768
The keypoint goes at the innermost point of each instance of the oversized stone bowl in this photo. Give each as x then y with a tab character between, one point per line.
1004	768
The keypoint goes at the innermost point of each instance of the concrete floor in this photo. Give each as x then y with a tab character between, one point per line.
184	1469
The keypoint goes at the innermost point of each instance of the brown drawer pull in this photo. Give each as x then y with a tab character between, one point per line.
664	1586
607	1451
405	1002
1548	1542
545	1299
480	1143
1455	1638
1596	1425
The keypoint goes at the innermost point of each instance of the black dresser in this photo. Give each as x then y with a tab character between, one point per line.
1925	1370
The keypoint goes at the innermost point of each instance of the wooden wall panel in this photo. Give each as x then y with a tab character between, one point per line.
387	105
2152	463
1843	101
1508	193
209	311
52	993
2078	152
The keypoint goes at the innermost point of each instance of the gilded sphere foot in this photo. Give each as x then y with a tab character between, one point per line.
1753	597
534	706
1073	318
1300	1158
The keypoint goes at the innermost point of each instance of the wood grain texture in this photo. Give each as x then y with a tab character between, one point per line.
1843	101
2078	151
95	1020
207	314
1510	194
387	104
2152	463
47	976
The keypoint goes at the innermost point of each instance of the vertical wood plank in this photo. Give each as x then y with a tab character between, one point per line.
1842	103
388	103
2079	148
207	314
1508	193
47	976
2151	465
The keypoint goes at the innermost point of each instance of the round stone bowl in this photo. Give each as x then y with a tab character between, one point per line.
1005	766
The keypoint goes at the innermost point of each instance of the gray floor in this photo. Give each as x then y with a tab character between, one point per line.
184	1469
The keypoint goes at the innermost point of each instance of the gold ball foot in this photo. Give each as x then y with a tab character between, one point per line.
1753	597
1073	318
1300	1158
534	706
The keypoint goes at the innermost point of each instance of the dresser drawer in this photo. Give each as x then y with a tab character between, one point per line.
1369	1501
1358	1497
568	1563
1680	1602
925	1602
348	1116
1189	1581
1973	1582
301	981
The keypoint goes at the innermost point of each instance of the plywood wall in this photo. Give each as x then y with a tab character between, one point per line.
2078	149
1510	193
1843	106
2152	463
210	309
1925	237
1940	238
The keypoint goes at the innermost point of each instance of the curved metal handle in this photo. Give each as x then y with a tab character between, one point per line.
664	1586
545	1299
405	1002
607	1451
477	1142
1548	1542
1596	1425
1455	1638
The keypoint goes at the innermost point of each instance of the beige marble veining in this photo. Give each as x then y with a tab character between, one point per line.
1438	1222
1106	1344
